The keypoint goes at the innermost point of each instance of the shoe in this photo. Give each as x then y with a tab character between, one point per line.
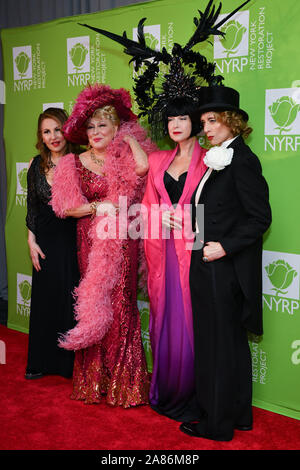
240	427
33	375
191	430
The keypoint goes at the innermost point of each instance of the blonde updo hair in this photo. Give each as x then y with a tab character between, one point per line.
235	122
107	112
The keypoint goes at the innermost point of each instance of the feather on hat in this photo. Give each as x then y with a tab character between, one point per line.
187	71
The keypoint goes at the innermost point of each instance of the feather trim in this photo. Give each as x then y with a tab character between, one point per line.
93	308
66	192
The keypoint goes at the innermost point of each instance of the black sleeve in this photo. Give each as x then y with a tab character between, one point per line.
253	193
32	198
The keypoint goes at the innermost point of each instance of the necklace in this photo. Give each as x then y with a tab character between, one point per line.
50	163
99	162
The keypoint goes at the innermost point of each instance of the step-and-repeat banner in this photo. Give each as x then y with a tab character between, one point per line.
48	64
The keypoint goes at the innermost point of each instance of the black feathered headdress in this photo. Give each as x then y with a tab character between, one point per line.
187	70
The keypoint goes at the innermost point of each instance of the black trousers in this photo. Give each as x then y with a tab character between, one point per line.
223	369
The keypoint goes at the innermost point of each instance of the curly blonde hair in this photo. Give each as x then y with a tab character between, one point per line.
235	122
107	112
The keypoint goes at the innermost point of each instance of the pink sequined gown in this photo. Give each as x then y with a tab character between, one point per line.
116	367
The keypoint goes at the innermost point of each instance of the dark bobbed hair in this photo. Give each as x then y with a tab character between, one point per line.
183	106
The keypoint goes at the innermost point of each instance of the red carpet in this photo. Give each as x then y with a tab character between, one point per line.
38	415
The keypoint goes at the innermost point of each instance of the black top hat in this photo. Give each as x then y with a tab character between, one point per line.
220	98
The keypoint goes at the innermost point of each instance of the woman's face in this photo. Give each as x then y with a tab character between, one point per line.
215	130
100	132
52	135
180	128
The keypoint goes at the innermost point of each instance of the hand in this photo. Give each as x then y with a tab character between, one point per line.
139	155
107	208
170	221
132	142
128	139
35	252
213	251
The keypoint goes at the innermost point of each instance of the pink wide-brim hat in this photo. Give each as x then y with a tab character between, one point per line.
91	98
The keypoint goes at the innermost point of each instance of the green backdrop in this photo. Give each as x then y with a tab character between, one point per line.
49	63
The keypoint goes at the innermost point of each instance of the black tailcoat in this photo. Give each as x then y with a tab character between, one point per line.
236	214
227	293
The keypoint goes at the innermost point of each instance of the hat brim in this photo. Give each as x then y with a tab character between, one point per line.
88	101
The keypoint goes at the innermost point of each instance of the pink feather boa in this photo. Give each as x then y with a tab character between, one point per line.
93	309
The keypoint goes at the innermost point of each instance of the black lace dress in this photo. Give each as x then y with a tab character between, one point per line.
51	311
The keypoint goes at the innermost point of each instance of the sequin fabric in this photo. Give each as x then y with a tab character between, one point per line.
114	370
94	187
